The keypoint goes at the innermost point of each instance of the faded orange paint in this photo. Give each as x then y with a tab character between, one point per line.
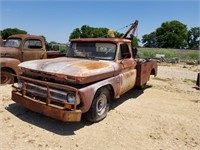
92	66
128	75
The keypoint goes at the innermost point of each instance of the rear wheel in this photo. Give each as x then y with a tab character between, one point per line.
100	106
6	77
142	87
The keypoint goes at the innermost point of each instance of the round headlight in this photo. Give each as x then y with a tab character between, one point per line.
71	98
20	85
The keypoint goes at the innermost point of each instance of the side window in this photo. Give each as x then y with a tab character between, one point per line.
124	52
32	44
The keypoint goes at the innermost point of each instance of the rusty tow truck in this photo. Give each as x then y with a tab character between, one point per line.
94	71
19	48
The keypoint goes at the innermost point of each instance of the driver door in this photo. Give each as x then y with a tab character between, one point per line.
128	69
33	49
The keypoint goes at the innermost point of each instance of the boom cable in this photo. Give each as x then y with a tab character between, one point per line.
120	29
124	27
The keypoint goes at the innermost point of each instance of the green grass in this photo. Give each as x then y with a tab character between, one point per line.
187	55
169	53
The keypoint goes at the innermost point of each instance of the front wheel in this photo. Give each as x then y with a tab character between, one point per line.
6	77
100	106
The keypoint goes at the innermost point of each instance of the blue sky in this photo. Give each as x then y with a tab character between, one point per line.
57	19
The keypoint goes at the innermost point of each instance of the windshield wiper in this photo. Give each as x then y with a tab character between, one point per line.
91	57
83	57
76	56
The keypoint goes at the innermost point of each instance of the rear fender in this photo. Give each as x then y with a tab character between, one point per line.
154	69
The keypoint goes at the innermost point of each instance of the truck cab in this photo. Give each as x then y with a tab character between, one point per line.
19	48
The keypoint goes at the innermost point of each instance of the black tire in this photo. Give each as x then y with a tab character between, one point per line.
142	87
100	106
198	80
6	77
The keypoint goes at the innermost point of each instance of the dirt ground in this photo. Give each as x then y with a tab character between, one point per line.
164	116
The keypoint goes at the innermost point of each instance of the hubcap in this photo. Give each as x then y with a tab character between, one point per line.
101	104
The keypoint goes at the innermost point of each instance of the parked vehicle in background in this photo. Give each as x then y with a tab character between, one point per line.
94	71
19	48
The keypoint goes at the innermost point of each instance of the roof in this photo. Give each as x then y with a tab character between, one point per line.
23	36
113	40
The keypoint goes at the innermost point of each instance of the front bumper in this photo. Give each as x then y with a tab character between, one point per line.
48	110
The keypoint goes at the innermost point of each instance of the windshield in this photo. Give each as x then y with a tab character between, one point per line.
92	50
12	43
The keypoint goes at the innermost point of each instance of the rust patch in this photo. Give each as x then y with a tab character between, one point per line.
128	75
92	66
80	79
113	40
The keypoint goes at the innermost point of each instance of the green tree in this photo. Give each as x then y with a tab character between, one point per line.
75	34
135	42
10	31
86	31
149	40
52	42
98	32
194	38
118	35
91	32
171	34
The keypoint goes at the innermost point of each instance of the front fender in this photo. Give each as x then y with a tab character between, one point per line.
87	93
10	63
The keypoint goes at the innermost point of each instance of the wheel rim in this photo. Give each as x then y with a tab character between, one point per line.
4	78
101	104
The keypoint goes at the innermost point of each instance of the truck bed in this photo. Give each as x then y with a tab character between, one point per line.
54	54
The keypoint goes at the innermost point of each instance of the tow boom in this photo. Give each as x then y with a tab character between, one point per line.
131	31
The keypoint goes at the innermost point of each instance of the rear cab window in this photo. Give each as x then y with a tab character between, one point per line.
124	52
33	44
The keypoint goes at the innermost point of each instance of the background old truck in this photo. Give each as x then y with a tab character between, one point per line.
19	48
94	71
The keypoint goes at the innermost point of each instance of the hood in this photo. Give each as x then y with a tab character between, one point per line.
8	52
72	69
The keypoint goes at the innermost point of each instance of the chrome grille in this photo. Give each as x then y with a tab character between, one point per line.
55	95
